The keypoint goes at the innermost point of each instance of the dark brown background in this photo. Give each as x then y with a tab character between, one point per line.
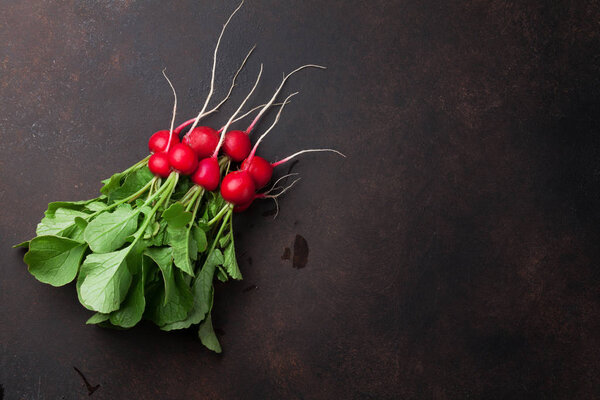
453	254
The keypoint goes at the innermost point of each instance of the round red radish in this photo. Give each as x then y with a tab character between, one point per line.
183	159
203	140
207	174
159	164
259	169
242	207
237	145
238	187
158	141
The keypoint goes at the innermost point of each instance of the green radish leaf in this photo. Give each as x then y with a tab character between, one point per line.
183	185
58	222
109	230
151	230
111	184
131	310
224	241
202	293
185	250
71	205
176	216
207	335
222	275
230	262
22	244
133	182
162	256
75	232
202	224
215	205
97	318
173	301
200	238
157	239
53	259
95	206
104	280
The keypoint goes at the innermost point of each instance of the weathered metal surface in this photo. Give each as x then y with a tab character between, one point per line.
453	254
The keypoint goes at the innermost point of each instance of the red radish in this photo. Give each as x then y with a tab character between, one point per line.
158	142
259	169
242	207
183	159
207	174
237	145
159	164
203	140
238	188
267	195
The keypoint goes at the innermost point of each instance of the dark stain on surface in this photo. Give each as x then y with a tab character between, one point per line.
249	288
300	252
286	254
91	389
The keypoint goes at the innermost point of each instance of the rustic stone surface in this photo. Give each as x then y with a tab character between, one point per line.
453	254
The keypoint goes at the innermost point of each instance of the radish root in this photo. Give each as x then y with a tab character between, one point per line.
270	103
174	109
253	152
216	108
288	158
236	113
275	196
212	79
275	187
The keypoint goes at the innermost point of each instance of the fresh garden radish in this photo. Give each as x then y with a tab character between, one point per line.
238	188
183	159
158	163
159	141
261	170
253	152
203	140
237	145
207	174
267	195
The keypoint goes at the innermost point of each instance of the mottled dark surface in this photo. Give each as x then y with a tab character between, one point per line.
453	254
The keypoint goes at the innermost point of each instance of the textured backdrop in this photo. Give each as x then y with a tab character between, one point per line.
453	254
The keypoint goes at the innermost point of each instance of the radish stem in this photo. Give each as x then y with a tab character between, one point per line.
251	156
212	79
216	108
288	158
270	103
174	110
237	112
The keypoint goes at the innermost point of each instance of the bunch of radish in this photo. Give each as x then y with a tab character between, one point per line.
150	246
